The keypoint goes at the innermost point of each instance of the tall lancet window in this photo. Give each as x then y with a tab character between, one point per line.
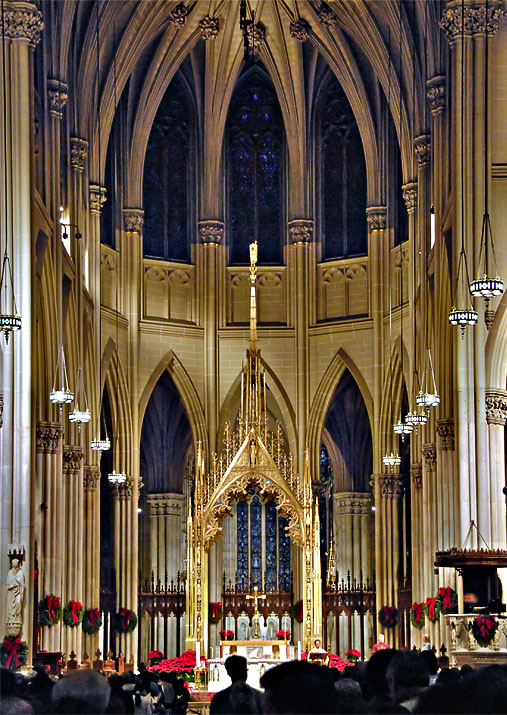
255	139
168	176
341	172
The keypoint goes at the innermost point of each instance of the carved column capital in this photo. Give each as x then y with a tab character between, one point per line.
496	406
211	232
72	458
58	95
126	489
91	477
410	196
416	474
47	437
23	21
445	430
133	220
300	231
392	485
376	217
78	153
97	198
435	92
300	29
209	27
422	149
473	20
430	456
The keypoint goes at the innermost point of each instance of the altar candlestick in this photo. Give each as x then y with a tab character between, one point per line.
198	654
299	650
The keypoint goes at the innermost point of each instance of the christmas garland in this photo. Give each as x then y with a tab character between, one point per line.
417	615
484	629
447	599
14	652
92	621
296	611
125	621
388	616
50	609
432	609
73	613
216	612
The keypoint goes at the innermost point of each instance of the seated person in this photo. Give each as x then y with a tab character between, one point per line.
318	654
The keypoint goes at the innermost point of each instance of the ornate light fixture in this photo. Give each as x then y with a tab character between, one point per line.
100	445
424	397
116	478
403	428
392	460
78	415
63	395
10	321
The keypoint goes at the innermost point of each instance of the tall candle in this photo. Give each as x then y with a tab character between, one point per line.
198	654
299	650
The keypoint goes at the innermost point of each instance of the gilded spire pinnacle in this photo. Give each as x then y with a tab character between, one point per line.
253	297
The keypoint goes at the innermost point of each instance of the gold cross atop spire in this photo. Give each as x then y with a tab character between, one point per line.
253	297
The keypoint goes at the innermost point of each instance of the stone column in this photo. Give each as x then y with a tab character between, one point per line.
23	24
72	578
446	476
300	238
350	519
496	414
166	540
417	530
91	547
211	233
391	492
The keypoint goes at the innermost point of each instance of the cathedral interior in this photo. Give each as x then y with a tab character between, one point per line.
184	422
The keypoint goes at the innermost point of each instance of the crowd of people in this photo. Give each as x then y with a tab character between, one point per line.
389	682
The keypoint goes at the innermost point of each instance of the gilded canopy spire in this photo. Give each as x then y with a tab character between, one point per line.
253	297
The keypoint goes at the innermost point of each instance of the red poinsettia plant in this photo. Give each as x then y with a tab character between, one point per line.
282	635
335	661
352	655
183	664
226	635
155	656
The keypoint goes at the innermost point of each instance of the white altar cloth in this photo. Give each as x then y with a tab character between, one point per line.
218	678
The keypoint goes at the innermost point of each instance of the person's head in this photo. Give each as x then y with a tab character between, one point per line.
406	671
15	706
316	643
426	638
83	691
299	687
236	668
15	564
381	638
376	669
430	661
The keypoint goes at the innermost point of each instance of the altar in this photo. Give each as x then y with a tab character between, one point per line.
261	655
256	649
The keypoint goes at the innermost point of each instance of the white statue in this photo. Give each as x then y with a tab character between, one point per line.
15	598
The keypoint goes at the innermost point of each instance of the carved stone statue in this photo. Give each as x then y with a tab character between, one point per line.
16	586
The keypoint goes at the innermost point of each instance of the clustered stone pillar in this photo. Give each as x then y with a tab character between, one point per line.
417	537
91	547
391	491
351	519
72	583
496	414
430	524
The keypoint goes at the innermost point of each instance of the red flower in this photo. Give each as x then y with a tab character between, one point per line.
353	653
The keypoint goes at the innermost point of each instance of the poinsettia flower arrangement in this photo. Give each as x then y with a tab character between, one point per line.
282	635
155	656
352	655
335	661
226	635
184	664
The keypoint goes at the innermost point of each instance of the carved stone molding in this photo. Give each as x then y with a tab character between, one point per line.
97	198
78	153
471	21
445	430
256	35
300	29
352	503
165	504
410	196
300	231
72	458
209	27
126	490
91	477
376	216
422	149
496	406
392	485
211	232
430	456
416	474
325	13
133	220
179	16
435	92
47	436
23	22
58	96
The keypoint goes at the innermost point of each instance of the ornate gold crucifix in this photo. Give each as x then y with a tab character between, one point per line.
256	596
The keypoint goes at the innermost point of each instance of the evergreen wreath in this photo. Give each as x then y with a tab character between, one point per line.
447	599
73	613
14	652
484	629
125	621
388	616
216	612
296	611
50	609
418	615
92	621
432	609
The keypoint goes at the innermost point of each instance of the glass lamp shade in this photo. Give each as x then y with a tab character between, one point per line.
9	323
402	428
117	477
486	287
61	397
392	460
420	418
463	317
100	445
427	399
80	416
409	418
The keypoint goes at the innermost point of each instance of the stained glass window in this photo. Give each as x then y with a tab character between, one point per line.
168	177
242	545
342	178
283	555
255	150
271	549
255	543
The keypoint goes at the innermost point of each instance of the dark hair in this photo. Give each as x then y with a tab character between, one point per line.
300	687
408	670
376	670
236	667
430	660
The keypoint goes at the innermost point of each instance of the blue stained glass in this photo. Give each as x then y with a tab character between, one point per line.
255	543
242	545
270	531
283	555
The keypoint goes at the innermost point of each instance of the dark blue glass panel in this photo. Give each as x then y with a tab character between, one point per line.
167	178
342	178
255	543
242	546
283	555
255	139
271	570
